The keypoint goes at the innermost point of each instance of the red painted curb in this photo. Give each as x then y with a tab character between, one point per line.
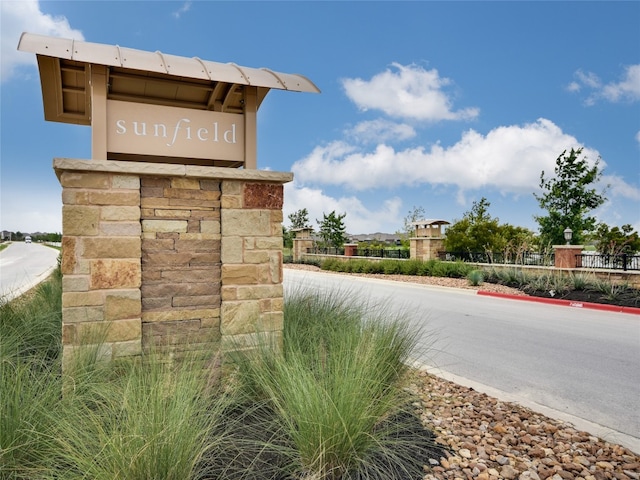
565	303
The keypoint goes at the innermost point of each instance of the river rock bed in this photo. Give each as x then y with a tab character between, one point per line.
492	440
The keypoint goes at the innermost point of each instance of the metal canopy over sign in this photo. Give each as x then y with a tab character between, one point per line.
196	111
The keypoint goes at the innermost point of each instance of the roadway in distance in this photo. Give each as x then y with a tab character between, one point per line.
24	265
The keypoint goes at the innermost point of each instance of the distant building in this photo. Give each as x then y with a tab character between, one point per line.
390	238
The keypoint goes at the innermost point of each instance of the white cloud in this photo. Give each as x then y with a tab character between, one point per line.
26	16
409	92
627	89
638	136
618	187
183	9
574	87
380	130
588	79
359	219
508	159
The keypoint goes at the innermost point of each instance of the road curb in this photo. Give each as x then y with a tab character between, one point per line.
564	303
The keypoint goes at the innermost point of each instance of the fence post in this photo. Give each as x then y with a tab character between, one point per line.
350	249
566	256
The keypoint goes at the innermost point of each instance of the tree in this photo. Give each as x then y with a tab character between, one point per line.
518	238
299	219
615	241
568	198
414	215
332	229
479	232
287	238
476	232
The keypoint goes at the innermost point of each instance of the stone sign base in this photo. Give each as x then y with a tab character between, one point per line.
177	257
425	248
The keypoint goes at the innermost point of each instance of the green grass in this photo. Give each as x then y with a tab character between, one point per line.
29	380
326	402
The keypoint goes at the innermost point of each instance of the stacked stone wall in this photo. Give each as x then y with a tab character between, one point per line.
174	256
252	293
180	263
100	265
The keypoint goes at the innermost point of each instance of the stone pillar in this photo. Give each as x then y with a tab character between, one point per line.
350	249
566	256
252	292
180	257
425	248
101	251
301	242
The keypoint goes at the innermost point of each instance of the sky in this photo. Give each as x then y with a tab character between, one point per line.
422	104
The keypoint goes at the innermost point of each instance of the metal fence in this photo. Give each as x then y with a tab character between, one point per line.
365	252
522	258
383	252
586	260
614	262
326	250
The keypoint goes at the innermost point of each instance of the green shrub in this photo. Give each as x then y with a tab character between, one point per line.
512	277
360	266
391	267
579	281
375	267
458	269
426	268
555	284
611	291
475	277
410	267
331	264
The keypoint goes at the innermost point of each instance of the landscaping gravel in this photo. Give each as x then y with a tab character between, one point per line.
489	439
492	440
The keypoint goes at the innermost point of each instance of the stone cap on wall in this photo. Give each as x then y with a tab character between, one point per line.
163	169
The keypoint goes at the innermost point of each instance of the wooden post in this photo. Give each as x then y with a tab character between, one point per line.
250	128
98	112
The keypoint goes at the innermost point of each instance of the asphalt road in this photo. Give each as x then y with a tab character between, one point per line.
24	265
575	364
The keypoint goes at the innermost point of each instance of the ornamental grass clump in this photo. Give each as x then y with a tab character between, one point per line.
475	277
29	380
143	419
333	387
28	405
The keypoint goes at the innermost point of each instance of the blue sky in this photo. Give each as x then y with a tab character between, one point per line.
432	104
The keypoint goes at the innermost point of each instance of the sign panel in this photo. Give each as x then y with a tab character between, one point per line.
142	129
